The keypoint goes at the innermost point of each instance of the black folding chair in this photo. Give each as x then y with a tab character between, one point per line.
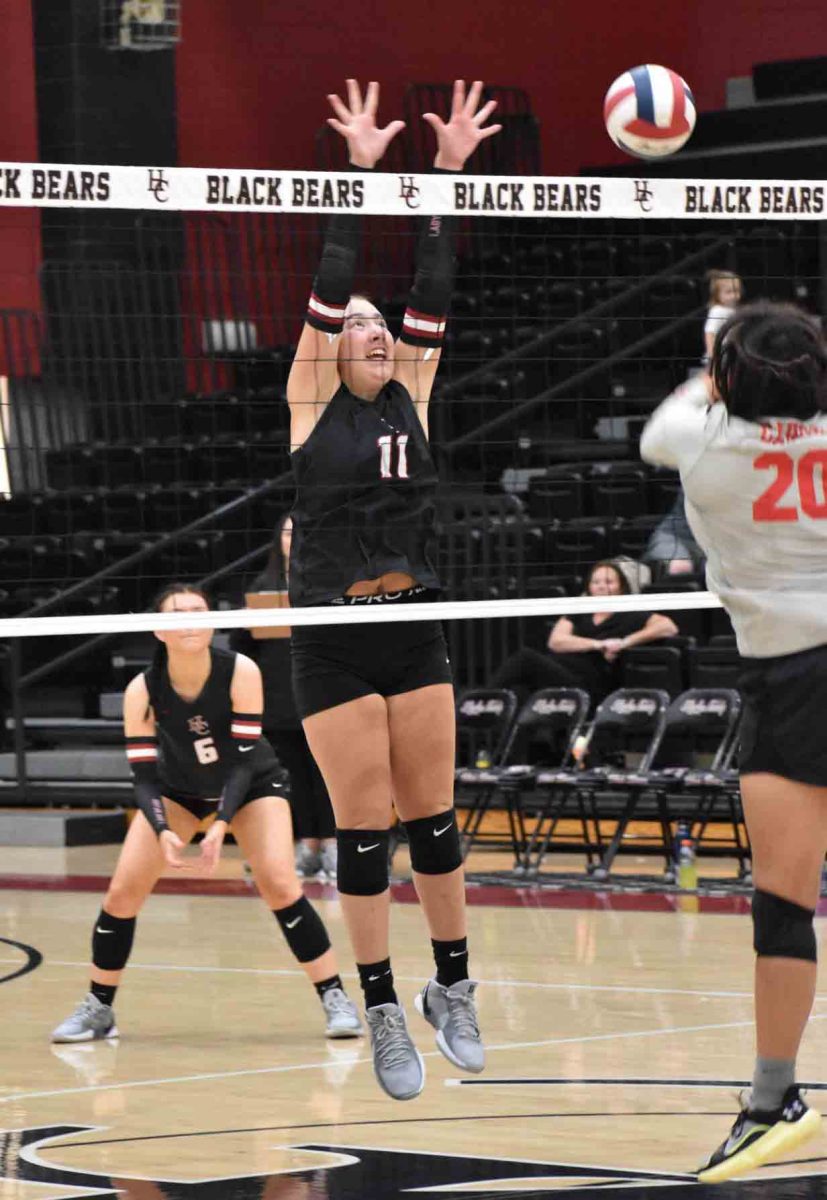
622	743
716	789
542	735
698	729
485	717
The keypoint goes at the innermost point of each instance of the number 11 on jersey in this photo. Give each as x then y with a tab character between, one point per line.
386	446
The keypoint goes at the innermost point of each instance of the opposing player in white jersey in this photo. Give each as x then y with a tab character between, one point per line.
750	443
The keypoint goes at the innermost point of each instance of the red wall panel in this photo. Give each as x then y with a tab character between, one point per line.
253	73
19	228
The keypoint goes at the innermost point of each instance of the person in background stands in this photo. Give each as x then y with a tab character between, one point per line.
314	827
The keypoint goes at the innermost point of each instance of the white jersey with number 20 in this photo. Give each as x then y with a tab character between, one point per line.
756	500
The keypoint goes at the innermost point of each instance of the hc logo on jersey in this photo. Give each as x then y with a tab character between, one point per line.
158	185
408	191
198	725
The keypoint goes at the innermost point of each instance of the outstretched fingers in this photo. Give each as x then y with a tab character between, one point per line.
485	112
372	98
354	97
340	109
474	94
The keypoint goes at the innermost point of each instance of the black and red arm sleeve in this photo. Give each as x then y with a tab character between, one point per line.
245	730
333	284
426	314
142	755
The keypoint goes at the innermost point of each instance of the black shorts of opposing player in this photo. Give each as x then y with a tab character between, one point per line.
782	929
333	664
782	732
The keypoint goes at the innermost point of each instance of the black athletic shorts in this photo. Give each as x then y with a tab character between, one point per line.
333	663
784	728
264	783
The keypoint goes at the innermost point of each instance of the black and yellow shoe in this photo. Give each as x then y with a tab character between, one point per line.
761	1137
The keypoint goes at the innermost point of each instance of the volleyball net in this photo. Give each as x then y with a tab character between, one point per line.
144	423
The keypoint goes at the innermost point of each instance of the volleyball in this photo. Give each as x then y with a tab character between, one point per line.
649	111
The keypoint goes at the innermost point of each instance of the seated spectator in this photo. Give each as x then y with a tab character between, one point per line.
672	546
584	649
725	291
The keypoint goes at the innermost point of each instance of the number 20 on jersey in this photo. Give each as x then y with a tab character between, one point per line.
804	482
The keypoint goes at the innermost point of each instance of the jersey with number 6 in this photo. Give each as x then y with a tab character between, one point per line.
365	497
756	499
199	741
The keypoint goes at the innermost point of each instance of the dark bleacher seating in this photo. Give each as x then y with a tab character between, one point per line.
653	667
23	515
557	494
617	490
578	543
713	666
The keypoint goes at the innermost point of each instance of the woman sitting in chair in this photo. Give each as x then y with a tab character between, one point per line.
584	649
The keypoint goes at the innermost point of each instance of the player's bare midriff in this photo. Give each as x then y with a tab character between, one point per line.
393	581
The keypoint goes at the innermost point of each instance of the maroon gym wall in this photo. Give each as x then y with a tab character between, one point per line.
252	74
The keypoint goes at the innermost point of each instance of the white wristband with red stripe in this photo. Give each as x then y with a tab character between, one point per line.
246	727
327	317
422	329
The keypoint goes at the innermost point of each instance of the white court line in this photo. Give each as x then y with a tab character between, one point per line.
594	1037
515	983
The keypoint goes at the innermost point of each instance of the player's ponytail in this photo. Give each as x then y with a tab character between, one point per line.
770	360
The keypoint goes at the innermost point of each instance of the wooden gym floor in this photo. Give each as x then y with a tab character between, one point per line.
619	1030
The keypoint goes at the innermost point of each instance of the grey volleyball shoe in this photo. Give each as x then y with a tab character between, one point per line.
330	861
453	1013
308	862
397	1064
342	1015
90	1020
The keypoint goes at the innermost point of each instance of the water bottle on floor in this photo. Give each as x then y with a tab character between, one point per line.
686	867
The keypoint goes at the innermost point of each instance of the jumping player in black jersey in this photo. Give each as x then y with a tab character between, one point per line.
193	739
376	700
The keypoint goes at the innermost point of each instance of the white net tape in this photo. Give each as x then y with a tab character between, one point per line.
199	189
364	613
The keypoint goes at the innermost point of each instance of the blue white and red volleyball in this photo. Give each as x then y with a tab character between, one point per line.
649	111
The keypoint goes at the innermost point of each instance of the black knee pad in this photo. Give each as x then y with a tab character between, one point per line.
303	930
112	941
434	843
782	929
363	861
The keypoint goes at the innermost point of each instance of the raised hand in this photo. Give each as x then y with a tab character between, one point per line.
459	137
356	122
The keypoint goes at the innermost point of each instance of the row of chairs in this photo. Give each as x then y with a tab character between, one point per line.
224	457
546	763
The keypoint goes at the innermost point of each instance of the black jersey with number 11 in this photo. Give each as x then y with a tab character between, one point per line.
365	497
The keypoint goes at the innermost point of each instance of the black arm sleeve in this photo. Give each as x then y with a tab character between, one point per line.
424	321
142	753
246	731
333	284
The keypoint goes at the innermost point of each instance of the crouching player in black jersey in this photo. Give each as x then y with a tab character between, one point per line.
193	739
376	700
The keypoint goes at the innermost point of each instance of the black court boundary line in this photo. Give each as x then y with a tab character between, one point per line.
525	1081
33	960
158	1137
